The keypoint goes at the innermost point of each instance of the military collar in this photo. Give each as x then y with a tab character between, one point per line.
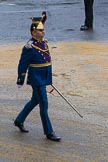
37	40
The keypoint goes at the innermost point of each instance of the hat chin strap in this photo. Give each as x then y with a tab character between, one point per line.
37	39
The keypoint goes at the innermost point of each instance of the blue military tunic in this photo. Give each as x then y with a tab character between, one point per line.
36	59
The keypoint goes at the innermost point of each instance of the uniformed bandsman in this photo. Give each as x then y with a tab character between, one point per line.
35	60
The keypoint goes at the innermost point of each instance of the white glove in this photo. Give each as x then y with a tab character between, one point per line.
19	86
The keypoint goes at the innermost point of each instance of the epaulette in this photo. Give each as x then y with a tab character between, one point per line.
29	44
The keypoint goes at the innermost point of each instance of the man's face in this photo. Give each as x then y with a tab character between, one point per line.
38	33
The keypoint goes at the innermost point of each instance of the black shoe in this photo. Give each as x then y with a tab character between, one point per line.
21	127
85	28
53	137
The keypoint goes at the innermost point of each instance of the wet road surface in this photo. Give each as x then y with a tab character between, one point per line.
64	20
82	77
83	140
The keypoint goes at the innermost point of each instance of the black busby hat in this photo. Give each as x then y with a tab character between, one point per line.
38	22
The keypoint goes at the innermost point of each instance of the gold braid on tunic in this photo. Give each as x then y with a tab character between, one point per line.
45	51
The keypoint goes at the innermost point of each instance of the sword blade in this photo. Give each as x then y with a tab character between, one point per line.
67	101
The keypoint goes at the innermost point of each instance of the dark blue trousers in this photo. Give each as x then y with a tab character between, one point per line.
39	96
88	12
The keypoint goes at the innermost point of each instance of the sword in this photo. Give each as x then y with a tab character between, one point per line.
67	101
